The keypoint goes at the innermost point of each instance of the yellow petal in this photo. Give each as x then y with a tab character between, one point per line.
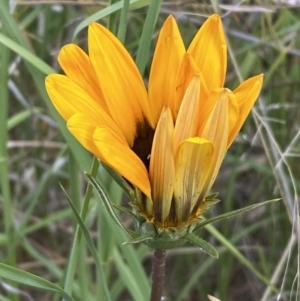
119	80
207	107
209	50
83	129
187	121
167	58
192	165
233	110
188	69
162	166
216	131
77	66
69	99
246	94
121	158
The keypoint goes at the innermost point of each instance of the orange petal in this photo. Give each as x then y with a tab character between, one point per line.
119	79
121	158
233	110
83	129
209	105
188	69
187	121
216	131
246	94
69	99
165	65
77	66
192	165
162	168
209	50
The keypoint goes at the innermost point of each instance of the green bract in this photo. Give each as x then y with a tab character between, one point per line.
158	237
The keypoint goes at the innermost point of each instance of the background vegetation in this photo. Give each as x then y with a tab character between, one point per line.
37	153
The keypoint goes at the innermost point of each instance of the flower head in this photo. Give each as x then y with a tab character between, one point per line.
169	140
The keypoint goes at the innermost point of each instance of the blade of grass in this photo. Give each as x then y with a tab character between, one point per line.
4	172
123	21
134	263
134	4
47	176
26	54
17	275
84	275
129	278
91	247
13	31
20	117
237	254
73	259
145	41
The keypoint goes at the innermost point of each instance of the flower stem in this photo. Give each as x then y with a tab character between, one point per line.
158	273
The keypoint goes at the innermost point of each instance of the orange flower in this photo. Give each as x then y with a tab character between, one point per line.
169	141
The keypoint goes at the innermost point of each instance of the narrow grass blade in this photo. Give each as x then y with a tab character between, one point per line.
73	258
123	21
134	4
237	254
26	55
19	118
129	278
134	262
13	31
90	245
145	42
23	277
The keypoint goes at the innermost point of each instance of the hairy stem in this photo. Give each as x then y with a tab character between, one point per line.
158	273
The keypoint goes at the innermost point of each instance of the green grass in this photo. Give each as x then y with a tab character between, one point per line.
42	252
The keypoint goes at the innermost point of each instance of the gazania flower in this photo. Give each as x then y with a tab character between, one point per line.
167	140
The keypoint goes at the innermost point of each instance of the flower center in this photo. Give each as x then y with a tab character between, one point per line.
143	142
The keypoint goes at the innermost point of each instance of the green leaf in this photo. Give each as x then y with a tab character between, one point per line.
125	210
26	54
202	244
239	256
212	196
82	157
139	239
20	117
120	181
23	277
146	38
233	213
128	276
134	4
107	204
90	245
